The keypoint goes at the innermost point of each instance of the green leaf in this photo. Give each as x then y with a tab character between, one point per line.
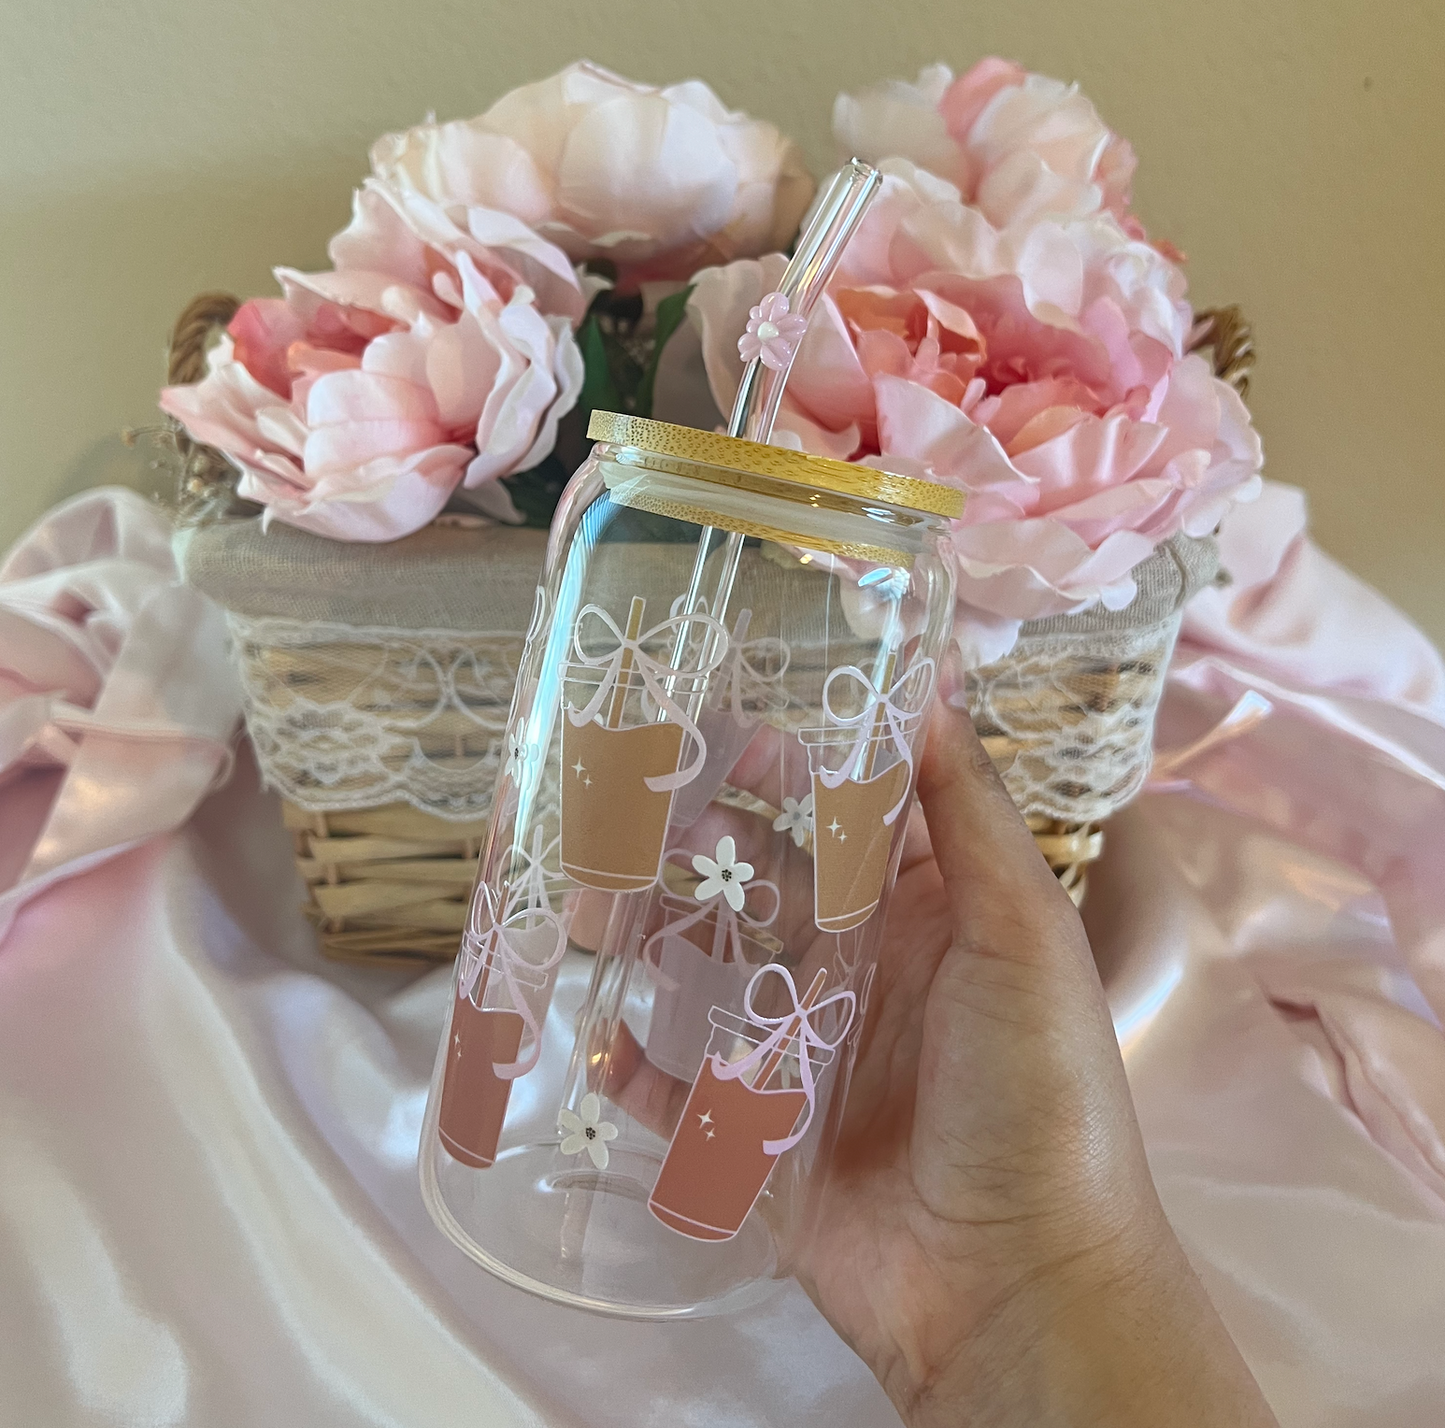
612	380
598	387
535	493
670	314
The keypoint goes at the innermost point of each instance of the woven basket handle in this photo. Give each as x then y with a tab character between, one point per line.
192	334
205	479
1231	344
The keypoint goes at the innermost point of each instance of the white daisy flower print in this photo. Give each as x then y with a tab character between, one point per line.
519	755
796	818
723	874
586	1132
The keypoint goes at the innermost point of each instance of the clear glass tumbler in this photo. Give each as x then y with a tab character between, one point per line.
711	757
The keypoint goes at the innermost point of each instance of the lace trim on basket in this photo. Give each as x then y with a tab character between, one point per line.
1069	719
344	717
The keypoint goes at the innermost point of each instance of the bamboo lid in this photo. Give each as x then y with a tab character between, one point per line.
711	449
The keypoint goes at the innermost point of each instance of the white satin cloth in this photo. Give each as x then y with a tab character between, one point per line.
209	1211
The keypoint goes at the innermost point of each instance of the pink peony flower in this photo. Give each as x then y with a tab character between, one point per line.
1018	146
397	235
1041	367
356	403
659	182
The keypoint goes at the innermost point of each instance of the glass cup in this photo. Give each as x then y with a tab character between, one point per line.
657	728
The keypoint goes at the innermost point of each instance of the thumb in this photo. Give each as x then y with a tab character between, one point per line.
1004	898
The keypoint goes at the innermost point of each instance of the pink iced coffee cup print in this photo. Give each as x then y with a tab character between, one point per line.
739	1116
504	987
623	739
861	764
704	953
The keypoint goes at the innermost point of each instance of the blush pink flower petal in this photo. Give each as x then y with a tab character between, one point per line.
404	236
1018	146
385	394
658	182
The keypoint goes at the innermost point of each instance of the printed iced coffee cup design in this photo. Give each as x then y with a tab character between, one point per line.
614	821
702	956
861	765
851	842
504	987
474	1097
739	1117
627	743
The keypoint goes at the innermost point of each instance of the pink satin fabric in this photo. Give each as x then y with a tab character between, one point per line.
117	701
208	1203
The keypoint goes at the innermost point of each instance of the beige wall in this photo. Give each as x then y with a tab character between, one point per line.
1292	147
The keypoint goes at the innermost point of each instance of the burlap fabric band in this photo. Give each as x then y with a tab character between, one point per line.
442	578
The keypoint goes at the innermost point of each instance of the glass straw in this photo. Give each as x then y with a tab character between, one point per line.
760	393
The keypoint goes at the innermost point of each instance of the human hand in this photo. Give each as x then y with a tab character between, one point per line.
990	1241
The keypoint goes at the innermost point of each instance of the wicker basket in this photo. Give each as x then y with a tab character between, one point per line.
389	882
378	713
388	885
386	843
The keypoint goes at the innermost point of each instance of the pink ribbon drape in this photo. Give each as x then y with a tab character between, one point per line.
917	679
525	909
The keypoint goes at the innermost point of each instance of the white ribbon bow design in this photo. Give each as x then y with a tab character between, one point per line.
919	675
795	1025
739	672
655	674
525	909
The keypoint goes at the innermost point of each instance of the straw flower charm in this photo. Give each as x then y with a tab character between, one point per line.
723	874
773	333
586	1132
796	818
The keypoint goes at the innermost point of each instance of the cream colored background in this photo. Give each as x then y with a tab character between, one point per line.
153	148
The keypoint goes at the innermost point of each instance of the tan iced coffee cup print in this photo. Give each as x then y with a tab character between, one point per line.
862	768
740	1116
504	984
624	739
703	955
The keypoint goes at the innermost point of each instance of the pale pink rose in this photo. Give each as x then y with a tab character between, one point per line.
354	406
1018	146
657	181
1040	368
